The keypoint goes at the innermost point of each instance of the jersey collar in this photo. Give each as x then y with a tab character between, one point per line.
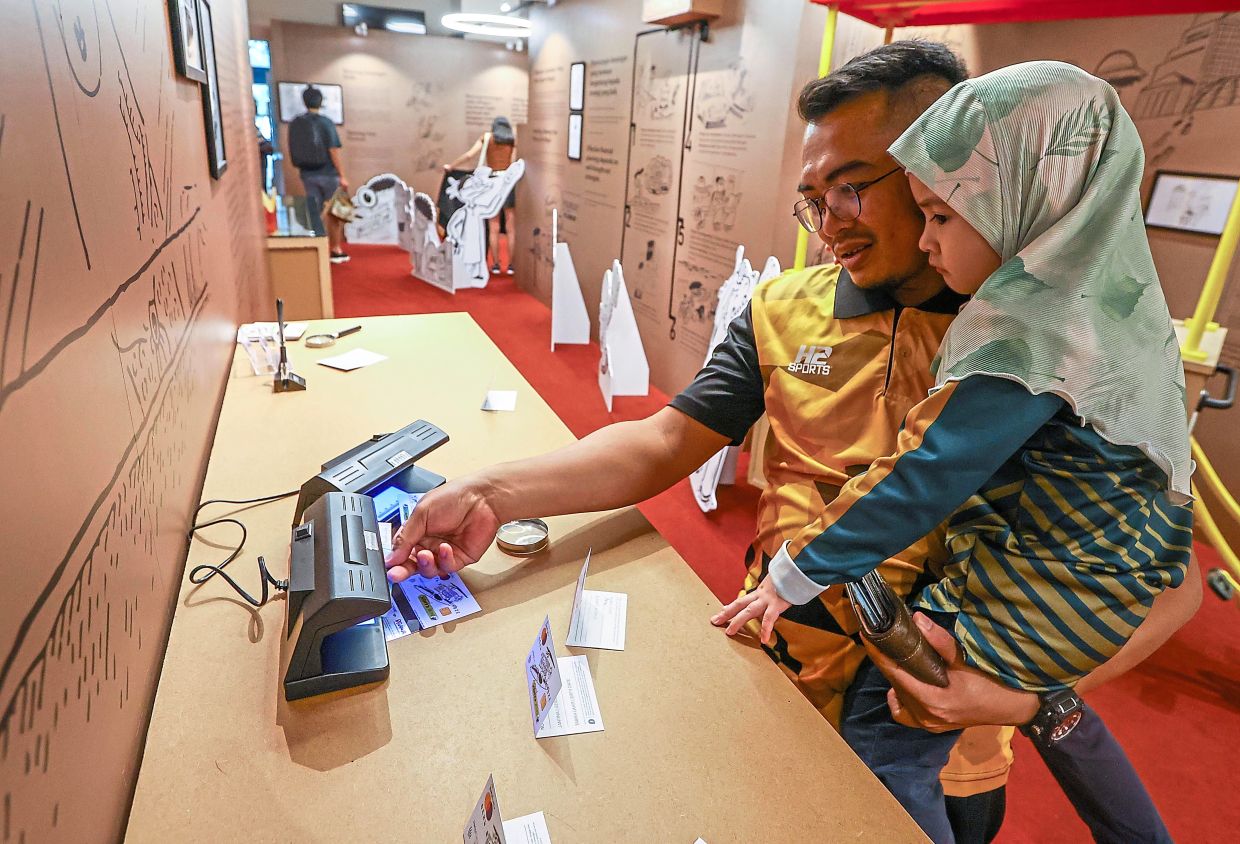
852	301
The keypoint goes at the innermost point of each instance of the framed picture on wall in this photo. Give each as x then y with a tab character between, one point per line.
186	39
1190	202
577	86
289	94
212	114
574	137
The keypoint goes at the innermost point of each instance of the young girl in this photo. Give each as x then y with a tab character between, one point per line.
1055	442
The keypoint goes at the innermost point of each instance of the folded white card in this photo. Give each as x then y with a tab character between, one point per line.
575	708
355	359
500	400
599	618
528	829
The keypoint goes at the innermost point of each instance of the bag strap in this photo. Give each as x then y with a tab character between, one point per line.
486	142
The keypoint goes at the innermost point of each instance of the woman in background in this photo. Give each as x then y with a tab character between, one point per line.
495	150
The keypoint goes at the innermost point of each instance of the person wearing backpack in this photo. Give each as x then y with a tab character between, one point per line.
314	147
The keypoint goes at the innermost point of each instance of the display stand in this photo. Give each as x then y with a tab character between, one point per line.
734	296
382	212
622	368
570	323
482	196
430	255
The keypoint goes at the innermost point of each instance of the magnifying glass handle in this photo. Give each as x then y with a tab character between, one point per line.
351	330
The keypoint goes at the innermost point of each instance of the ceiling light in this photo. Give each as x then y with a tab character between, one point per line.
408	27
495	25
505	7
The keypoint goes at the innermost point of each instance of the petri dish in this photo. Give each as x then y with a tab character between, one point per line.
522	537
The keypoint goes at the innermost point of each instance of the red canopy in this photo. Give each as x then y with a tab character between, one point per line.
934	12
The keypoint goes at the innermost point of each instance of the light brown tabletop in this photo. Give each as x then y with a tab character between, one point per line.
704	736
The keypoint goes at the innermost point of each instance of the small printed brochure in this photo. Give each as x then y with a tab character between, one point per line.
599	618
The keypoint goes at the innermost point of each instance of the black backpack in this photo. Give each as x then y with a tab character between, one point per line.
306	145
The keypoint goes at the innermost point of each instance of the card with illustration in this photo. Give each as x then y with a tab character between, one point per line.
542	675
436	601
421	602
486	826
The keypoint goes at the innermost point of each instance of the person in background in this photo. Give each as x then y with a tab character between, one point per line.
496	149
314	148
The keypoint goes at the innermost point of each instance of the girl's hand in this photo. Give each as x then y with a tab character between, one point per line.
763	602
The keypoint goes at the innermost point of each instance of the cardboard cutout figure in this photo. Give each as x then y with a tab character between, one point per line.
382	211
430	256
482	196
734	296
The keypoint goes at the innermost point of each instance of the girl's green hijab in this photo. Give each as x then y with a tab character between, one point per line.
1044	162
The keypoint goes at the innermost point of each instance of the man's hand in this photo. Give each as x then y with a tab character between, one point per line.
344	183
971	697
450	528
763	602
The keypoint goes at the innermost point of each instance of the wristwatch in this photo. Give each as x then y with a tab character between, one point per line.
1058	714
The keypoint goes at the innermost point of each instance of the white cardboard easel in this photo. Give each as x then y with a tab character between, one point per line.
622	369
570	323
482	196
734	296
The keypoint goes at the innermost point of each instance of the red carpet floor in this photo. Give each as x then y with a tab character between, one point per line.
1178	714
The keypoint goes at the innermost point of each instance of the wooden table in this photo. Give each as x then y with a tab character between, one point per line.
704	736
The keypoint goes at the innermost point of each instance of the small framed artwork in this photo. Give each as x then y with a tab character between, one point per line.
574	137
186	39
212	114
577	86
1190	202
291	104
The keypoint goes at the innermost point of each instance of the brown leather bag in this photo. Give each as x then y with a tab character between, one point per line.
887	623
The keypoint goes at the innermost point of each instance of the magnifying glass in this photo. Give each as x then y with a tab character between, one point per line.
329	338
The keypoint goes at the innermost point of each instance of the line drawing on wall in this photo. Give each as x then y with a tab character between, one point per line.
1202	71
94	599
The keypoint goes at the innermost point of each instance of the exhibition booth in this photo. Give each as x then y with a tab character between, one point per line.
275	272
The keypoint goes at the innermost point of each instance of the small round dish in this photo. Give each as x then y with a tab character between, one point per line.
522	537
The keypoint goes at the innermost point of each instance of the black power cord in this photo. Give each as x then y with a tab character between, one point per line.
196	575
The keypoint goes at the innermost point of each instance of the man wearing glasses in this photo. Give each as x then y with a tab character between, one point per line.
835	356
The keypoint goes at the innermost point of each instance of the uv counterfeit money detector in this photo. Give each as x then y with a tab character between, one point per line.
338	586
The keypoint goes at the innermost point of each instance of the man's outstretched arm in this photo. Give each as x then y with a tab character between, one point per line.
615	466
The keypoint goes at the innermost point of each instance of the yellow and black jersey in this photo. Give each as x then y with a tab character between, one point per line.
835	368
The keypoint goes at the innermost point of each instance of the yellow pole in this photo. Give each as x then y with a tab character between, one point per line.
824	67
1203	318
888	33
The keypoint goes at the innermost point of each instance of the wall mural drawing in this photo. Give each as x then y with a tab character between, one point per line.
120	256
1200	72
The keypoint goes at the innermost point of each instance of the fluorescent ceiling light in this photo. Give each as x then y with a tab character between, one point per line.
408	27
499	26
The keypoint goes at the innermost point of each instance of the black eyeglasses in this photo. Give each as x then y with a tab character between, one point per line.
843	201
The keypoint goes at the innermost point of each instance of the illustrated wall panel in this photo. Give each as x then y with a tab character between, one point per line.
411	103
124	268
701	168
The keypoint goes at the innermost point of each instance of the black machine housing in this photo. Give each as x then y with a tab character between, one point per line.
338	586
383	461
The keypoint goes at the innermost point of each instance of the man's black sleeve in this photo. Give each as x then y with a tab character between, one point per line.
727	395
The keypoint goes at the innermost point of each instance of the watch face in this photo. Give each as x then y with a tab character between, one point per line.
1066	726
